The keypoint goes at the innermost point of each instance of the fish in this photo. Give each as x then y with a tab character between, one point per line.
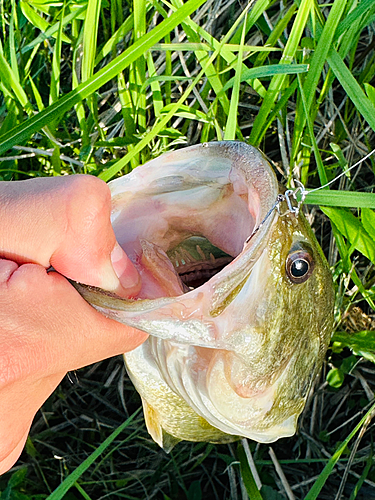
236	295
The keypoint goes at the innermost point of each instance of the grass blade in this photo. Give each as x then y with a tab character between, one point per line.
341	199
231	125
90	35
46	29
317	63
363	477
361	343
110	45
368	221
12	47
277	82
65	486
276	33
12	84
269	70
184	47
360	9
256	11
157	96
352	229
321	171
23	131
352	88
139	71
319	483
56	59
247	475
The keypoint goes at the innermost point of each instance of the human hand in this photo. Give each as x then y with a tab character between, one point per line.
46	328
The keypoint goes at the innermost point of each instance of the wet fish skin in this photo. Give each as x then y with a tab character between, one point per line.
292	332
236	356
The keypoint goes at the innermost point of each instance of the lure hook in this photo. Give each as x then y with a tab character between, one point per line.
293	205
291	199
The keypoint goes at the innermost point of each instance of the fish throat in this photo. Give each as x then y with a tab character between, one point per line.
196	260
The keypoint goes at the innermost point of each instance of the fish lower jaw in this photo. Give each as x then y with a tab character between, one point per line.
286	429
256	427
257	416
260	420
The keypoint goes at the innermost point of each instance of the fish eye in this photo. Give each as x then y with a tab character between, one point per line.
299	266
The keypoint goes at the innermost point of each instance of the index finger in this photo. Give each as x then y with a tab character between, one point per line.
53	328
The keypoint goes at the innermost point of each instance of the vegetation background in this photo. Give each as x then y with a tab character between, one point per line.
101	86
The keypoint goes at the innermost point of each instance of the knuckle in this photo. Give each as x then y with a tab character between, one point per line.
88	208
27	277
89	213
92	191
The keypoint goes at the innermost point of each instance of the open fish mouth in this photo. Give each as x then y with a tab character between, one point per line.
184	219
238	327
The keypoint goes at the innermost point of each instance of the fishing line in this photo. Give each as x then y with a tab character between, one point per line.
294	198
304	192
340	175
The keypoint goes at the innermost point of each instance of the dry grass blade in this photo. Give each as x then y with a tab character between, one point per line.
252	465
281	475
352	456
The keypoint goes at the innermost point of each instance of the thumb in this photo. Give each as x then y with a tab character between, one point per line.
65	222
89	252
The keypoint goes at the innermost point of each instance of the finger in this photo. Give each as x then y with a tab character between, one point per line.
10	455
7	268
56	330
97	258
21	399
65	222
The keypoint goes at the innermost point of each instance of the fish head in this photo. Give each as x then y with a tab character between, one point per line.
237	297
278	328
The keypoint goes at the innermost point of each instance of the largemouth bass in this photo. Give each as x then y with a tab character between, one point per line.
238	326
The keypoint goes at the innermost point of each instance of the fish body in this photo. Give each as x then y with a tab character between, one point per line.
233	353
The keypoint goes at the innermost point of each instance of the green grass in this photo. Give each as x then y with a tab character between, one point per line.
99	87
